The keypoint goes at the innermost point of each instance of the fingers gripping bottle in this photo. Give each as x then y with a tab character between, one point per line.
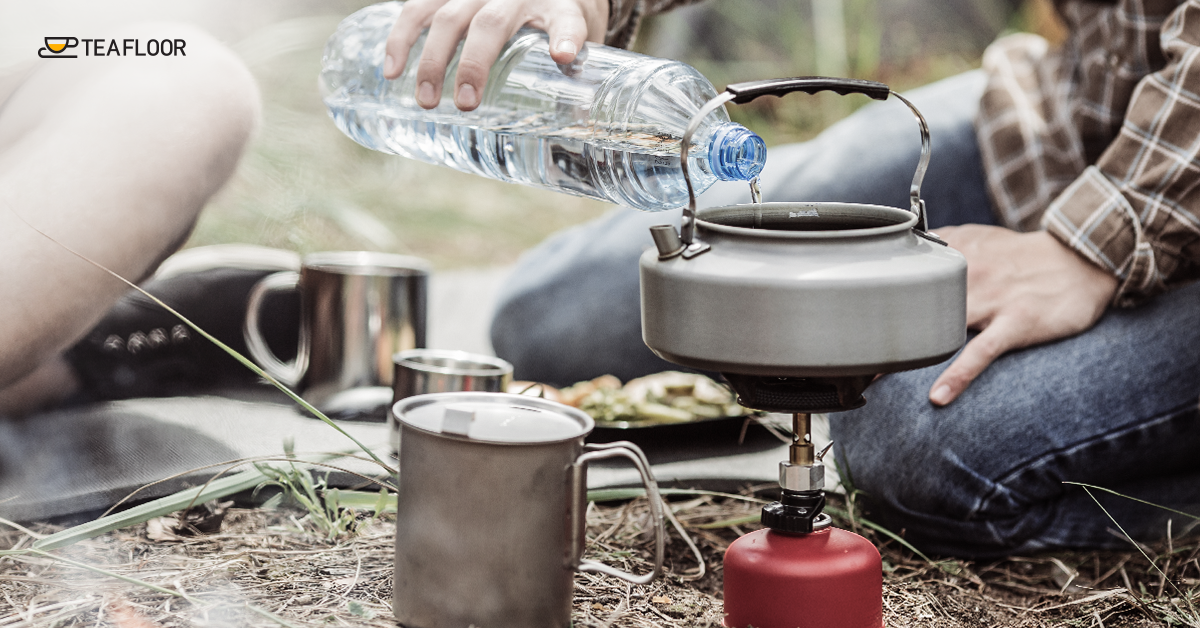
607	126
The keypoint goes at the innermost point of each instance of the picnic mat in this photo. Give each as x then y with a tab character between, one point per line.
80	461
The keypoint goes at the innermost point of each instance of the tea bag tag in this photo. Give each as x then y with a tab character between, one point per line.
457	420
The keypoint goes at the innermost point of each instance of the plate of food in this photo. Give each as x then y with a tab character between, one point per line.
661	400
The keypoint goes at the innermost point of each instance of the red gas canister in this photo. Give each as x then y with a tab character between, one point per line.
827	578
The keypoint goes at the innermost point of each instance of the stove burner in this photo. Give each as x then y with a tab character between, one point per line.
799	394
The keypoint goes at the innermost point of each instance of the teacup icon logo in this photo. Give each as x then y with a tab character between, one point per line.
56	46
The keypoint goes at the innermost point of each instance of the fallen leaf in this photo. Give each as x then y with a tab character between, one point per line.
123	616
660	599
162	530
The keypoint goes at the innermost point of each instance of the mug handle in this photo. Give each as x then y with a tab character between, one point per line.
578	522
288	373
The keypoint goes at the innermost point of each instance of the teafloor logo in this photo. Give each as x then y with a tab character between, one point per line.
58	48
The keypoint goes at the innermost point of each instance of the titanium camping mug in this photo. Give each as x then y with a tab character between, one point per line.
491	510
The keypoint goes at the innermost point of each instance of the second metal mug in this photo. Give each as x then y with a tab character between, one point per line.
491	510
357	309
423	371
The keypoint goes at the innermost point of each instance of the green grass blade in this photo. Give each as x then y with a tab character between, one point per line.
261	373
1140	501
380	504
1088	488
833	510
362	500
214	489
1130	538
217	489
617	494
728	523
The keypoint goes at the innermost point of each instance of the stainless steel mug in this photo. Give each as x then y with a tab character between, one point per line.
491	510
423	371
357	309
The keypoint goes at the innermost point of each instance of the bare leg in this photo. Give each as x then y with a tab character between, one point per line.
113	157
51	383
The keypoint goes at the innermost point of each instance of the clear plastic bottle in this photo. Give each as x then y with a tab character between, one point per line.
607	127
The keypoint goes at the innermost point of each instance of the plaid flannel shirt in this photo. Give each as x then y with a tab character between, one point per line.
1098	141
624	17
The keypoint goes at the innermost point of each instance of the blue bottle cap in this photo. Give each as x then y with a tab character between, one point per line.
736	153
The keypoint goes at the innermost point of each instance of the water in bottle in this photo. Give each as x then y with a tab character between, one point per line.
607	126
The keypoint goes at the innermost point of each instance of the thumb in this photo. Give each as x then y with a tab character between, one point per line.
567	34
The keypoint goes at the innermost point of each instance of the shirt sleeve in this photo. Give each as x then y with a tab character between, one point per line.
625	16
1136	211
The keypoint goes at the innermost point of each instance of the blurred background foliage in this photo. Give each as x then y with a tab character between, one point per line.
302	185
904	43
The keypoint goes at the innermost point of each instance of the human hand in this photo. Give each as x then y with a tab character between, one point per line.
1023	289
486	25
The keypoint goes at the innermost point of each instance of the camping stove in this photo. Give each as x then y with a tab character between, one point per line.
800	306
799	571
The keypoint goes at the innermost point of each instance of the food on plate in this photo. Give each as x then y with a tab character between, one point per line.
662	398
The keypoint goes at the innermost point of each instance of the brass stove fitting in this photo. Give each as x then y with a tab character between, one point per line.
802	450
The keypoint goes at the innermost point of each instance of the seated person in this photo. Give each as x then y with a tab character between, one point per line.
1071	171
113	157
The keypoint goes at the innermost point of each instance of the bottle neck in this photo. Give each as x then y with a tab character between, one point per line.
736	153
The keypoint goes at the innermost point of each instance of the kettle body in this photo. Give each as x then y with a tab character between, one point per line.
806	290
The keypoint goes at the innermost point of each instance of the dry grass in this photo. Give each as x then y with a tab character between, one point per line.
263	563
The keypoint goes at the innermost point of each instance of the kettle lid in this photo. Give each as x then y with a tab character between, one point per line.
494	417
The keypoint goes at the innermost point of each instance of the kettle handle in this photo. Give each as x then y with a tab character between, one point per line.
745	92
741	93
577	493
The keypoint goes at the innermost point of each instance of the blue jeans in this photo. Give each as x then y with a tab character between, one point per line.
1115	406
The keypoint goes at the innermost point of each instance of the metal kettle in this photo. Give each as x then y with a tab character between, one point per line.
800	305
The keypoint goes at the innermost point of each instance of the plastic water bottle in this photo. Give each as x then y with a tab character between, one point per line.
607	126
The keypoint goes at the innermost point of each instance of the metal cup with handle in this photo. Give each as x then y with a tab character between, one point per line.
357	309
423	371
491	510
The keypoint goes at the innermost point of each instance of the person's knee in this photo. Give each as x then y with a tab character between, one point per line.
942	476
211	90
518	334
569	329
200	110
570	310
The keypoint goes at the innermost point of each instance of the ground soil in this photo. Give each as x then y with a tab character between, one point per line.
271	567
